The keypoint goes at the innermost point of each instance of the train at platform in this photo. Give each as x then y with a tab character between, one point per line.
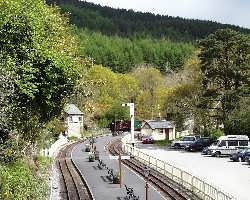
121	126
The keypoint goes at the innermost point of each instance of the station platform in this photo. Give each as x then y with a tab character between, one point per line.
98	181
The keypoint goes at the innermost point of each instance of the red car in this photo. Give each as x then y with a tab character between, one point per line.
147	140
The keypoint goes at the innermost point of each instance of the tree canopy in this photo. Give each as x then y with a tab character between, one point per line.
39	58
225	65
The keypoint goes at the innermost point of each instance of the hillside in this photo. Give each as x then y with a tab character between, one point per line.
127	23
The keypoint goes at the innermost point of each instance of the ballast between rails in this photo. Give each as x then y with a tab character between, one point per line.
73	186
170	189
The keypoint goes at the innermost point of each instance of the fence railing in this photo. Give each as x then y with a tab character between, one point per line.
198	186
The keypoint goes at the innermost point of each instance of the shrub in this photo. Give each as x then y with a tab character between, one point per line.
72	138
91	157
216	133
162	142
87	148
116	178
23	180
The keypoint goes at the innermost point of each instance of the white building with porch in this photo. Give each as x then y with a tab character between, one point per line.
158	129
74	121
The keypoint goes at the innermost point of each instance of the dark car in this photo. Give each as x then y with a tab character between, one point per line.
147	140
205	151
199	144
240	155
247	159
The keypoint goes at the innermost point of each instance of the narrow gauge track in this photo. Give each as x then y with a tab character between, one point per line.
73	186
170	189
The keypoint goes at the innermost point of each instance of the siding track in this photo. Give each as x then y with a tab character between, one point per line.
170	189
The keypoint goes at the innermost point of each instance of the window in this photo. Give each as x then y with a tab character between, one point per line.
232	142
188	139
222	143
243	143
80	119
70	119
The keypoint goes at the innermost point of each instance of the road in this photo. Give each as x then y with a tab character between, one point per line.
232	177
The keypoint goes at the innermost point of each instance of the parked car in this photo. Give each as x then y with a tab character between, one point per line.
147	140
247	159
186	140
228	145
205	151
240	155
199	144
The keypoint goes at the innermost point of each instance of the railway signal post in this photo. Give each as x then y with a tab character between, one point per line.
132	119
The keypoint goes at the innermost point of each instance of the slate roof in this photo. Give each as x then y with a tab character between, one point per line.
71	109
158	124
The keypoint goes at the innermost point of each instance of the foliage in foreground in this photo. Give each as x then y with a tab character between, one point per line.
24	179
39	62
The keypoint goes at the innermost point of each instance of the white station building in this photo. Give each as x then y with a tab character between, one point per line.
158	129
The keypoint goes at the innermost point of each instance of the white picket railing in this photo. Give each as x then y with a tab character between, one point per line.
198	186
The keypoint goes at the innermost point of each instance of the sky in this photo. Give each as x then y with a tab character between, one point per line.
235	12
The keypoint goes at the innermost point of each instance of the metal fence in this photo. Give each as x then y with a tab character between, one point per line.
198	186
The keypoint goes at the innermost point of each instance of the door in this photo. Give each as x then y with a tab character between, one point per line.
167	134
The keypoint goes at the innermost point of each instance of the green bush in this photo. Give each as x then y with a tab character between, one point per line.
162	142
24	180
91	157
86	133
216	133
87	148
72	138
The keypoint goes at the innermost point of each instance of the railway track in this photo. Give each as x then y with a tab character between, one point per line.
73	186
170	189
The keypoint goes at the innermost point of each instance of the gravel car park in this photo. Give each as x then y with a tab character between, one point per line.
231	177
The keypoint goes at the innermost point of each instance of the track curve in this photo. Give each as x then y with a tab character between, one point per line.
73	186
170	189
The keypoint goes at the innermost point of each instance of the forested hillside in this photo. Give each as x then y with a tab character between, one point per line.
123	39
128	23
124	54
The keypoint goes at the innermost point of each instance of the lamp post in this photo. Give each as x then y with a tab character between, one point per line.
146	172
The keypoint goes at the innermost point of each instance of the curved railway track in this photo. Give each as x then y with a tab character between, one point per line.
73	186
170	189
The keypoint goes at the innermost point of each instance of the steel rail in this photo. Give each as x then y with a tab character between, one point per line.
73	186
170	189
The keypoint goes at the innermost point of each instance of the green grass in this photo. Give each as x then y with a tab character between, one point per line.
162	142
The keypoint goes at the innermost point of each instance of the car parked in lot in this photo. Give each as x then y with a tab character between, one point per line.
247	159
199	144
240	155
147	140
186	140
228	145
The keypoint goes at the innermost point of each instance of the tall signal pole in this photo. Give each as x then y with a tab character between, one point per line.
132	120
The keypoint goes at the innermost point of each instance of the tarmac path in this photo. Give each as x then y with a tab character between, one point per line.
100	185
